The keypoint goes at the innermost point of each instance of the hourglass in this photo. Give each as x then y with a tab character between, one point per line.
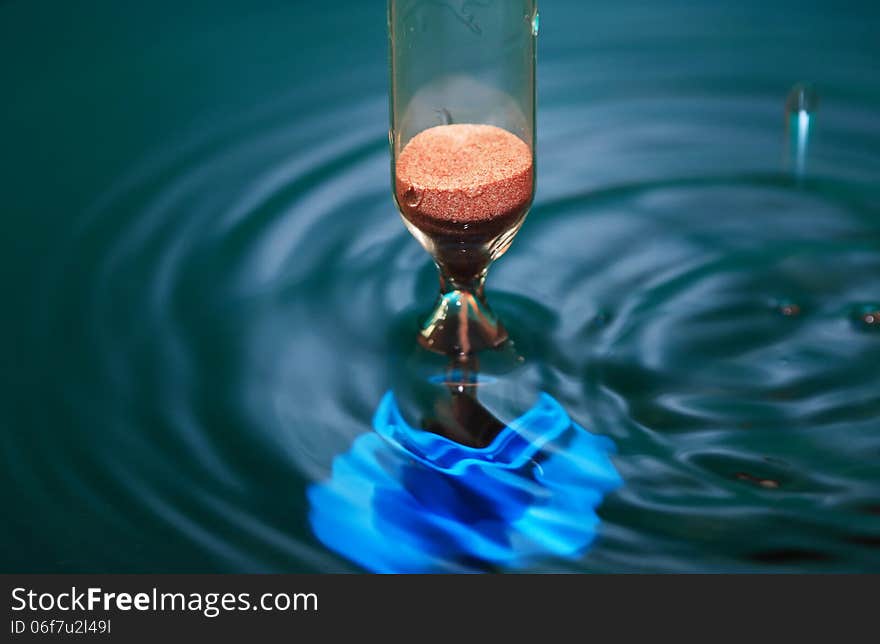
463	148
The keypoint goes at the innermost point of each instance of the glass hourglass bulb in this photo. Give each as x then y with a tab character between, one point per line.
463	148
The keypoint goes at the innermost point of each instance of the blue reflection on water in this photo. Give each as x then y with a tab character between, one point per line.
403	500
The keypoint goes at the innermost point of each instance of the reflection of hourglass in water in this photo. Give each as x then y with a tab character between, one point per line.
470	493
461	417
462	143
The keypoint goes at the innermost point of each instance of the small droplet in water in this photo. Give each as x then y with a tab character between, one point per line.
412	197
767	484
801	98
867	317
800	108
789	309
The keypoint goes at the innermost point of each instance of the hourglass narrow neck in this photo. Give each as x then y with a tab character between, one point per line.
474	285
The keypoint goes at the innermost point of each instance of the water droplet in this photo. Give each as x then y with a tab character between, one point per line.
536	24
412	197
767	484
801	98
800	108
866	317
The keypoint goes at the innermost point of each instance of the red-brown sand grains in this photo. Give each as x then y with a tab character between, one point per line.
463	179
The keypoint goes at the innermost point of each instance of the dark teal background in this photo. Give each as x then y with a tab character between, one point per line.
203	277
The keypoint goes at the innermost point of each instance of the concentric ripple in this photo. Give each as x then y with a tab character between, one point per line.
227	318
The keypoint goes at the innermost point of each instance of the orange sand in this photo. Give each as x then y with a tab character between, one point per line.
464	174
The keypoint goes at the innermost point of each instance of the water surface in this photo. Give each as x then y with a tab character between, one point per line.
208	292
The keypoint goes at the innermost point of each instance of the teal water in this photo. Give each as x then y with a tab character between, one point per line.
207	291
